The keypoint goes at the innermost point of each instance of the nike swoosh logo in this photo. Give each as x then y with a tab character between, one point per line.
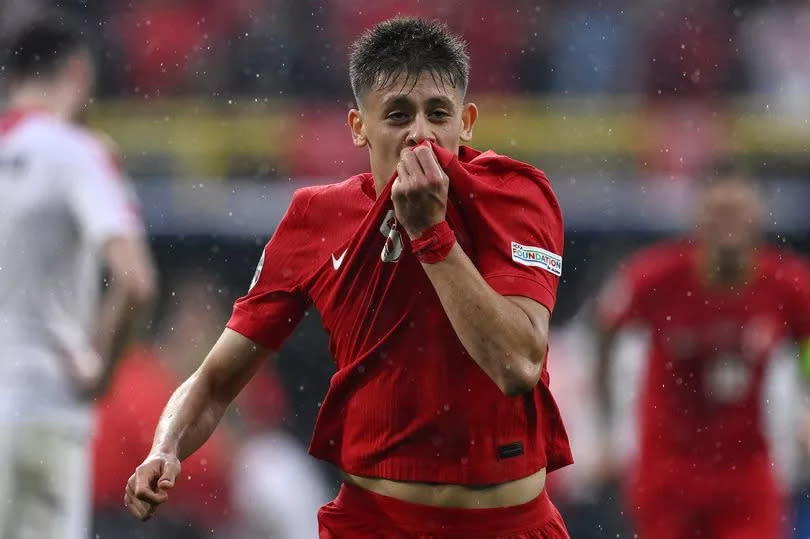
336	262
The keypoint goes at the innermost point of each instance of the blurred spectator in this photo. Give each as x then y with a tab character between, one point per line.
321	144
776	40
680	137
493	35
688	47
593	49
176	46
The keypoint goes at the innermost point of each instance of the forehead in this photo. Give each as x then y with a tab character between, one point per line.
427	86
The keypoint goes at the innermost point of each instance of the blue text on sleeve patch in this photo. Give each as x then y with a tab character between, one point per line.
538	257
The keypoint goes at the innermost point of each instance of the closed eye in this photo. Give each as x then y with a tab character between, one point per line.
397	116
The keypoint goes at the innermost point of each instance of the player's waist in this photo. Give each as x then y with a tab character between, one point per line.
657	459
505	494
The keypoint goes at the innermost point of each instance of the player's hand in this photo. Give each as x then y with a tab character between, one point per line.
85	371
420	191
149	486
804	431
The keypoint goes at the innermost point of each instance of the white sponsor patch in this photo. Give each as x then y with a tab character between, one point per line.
535	256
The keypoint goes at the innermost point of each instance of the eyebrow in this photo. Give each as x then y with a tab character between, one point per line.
404	99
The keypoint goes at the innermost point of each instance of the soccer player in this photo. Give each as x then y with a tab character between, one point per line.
435	276
66	212
716	304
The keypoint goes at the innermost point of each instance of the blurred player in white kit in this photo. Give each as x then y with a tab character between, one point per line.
66	213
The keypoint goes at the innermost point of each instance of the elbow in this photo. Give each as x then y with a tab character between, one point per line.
521	375
521	380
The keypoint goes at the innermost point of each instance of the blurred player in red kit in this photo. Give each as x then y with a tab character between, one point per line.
716	305
435	276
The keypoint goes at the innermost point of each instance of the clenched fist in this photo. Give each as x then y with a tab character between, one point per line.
148	487
420	191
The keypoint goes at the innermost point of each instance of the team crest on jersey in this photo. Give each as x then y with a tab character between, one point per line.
538	257
258	273
392	249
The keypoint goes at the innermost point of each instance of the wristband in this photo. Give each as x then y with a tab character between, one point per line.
434	244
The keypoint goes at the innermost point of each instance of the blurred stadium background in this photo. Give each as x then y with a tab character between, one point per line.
222	109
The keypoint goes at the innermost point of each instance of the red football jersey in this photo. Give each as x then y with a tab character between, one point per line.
700	404
407	403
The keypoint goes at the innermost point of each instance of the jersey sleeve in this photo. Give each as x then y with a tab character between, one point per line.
624	297
797	274
519	238
276	300
101	197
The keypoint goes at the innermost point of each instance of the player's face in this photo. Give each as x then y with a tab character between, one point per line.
407	112
729	222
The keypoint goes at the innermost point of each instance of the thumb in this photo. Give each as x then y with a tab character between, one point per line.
170	472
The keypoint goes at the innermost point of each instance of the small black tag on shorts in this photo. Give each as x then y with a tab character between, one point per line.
515	449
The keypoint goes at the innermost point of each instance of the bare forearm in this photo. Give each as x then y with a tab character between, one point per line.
604	348
119	317
189	418
197	406
498	335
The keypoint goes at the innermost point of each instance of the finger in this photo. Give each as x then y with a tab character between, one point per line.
411	162
131	483
146	492
143	477
403	177
136	507
142	505
429	163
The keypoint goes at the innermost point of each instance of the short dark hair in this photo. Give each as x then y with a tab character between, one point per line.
42	44
409	46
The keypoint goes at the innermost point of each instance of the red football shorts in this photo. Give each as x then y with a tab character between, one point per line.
357	513
719	506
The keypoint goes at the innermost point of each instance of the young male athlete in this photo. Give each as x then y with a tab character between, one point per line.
716	305
66	212
435	276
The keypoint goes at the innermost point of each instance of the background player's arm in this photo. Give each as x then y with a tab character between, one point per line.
605	340
129	292
191	415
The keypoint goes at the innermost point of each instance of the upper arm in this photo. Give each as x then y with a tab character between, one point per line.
625	295
130	266
519	239
100	197
231	363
